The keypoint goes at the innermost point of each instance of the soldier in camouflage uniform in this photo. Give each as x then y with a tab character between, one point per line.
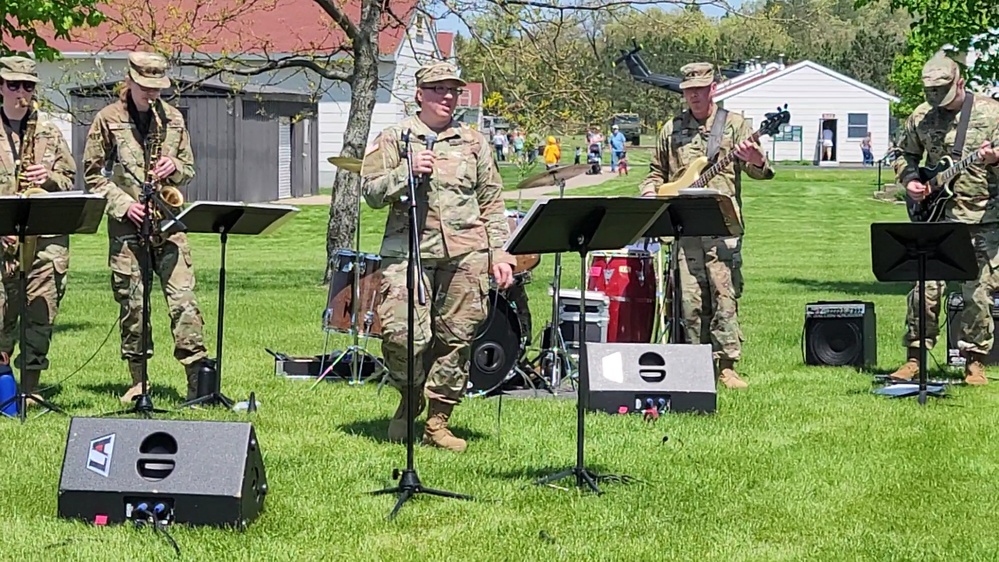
125	125
930	131
462	232
52	168
710	267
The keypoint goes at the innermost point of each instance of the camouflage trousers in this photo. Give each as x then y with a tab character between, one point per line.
457	303
975	333
172	264
46	285
710	285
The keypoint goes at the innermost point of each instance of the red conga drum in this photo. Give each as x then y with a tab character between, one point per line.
628	279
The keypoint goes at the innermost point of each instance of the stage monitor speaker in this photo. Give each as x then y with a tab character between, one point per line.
955	304
841	334
200	473
632	377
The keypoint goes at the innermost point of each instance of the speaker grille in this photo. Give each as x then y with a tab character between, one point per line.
836	341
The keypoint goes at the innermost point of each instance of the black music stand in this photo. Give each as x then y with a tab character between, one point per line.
57	213
583	224
916	252
225	218
692	212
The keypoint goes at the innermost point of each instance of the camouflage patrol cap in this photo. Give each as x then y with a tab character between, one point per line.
16	69
940	75
697	75
437	72
148	70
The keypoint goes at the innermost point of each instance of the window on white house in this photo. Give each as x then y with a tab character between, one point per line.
419	27
856	125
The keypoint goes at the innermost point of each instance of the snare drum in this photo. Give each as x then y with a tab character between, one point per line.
525	262
340	306
628	279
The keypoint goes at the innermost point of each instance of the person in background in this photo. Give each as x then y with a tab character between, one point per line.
579	156
865	148
553	153
617	141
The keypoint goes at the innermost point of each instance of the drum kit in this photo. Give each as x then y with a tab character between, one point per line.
500	346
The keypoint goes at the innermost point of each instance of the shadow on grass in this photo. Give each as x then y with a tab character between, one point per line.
377	430
61	327
156	391
854	288
531	474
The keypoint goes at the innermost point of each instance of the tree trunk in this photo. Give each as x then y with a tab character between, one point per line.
343	221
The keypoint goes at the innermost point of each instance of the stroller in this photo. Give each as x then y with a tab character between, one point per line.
593	159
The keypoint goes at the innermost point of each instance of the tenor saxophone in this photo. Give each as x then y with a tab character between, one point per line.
25	253
169	196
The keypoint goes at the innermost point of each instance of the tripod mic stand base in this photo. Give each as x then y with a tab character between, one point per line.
143	406
409	486
22	399
213	399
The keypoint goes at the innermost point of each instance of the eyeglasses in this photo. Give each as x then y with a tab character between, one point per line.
443	90
15	85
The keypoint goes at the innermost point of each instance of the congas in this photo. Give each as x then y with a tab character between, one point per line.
500	342
525	262
628	279
340	305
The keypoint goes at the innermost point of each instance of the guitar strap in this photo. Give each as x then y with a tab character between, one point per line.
957	151
717	130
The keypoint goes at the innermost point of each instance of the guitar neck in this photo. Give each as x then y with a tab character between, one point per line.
944	177
720	165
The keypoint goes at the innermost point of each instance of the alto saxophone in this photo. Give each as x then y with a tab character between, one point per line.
169	196
25	253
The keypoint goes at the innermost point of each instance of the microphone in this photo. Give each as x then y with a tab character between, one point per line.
430	139
109	159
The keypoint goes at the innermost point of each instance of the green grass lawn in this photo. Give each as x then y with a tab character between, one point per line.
806	464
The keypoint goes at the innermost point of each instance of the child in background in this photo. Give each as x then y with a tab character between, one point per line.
552	153
579	156
622	164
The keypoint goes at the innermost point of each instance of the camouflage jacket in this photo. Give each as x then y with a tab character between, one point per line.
931	131
685	139
51	150
462	210
113	127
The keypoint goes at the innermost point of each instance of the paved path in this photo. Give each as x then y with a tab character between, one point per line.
582	180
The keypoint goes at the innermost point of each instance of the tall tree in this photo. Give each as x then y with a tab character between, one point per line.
32	22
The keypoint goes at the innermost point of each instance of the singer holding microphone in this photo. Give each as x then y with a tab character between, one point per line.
462	232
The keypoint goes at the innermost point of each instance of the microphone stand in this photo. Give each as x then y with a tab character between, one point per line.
149	197
409	482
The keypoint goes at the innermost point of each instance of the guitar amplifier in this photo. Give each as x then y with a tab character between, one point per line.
841	334
955	304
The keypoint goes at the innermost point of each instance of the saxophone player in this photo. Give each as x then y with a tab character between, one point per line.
125	128
33	155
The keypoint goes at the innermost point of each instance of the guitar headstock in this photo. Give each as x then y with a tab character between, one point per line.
774	121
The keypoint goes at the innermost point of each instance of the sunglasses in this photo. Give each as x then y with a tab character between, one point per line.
16	85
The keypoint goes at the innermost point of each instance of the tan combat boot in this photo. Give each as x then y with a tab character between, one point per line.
728	376
436	432
974	369
29	384
135	369
910	369
400	420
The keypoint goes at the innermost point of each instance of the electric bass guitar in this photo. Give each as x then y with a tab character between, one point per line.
940	179
699	172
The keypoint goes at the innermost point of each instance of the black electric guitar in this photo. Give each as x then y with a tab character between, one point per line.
940	179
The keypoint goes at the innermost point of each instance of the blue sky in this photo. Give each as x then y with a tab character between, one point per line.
453	23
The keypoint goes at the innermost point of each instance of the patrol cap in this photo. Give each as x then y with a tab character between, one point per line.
18	69
437	72
148	70
940	75
697	75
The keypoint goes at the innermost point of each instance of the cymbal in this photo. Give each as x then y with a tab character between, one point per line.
346	162
551	177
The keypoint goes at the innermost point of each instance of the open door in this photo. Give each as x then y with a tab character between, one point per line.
827	142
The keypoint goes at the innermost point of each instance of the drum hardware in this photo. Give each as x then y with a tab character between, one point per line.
356	352
554	358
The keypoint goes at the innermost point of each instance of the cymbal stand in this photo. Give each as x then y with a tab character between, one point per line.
357	353
555	357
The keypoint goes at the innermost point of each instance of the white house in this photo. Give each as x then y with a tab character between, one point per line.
282	28
817	98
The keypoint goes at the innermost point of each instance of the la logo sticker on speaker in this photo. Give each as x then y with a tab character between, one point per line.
99	456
